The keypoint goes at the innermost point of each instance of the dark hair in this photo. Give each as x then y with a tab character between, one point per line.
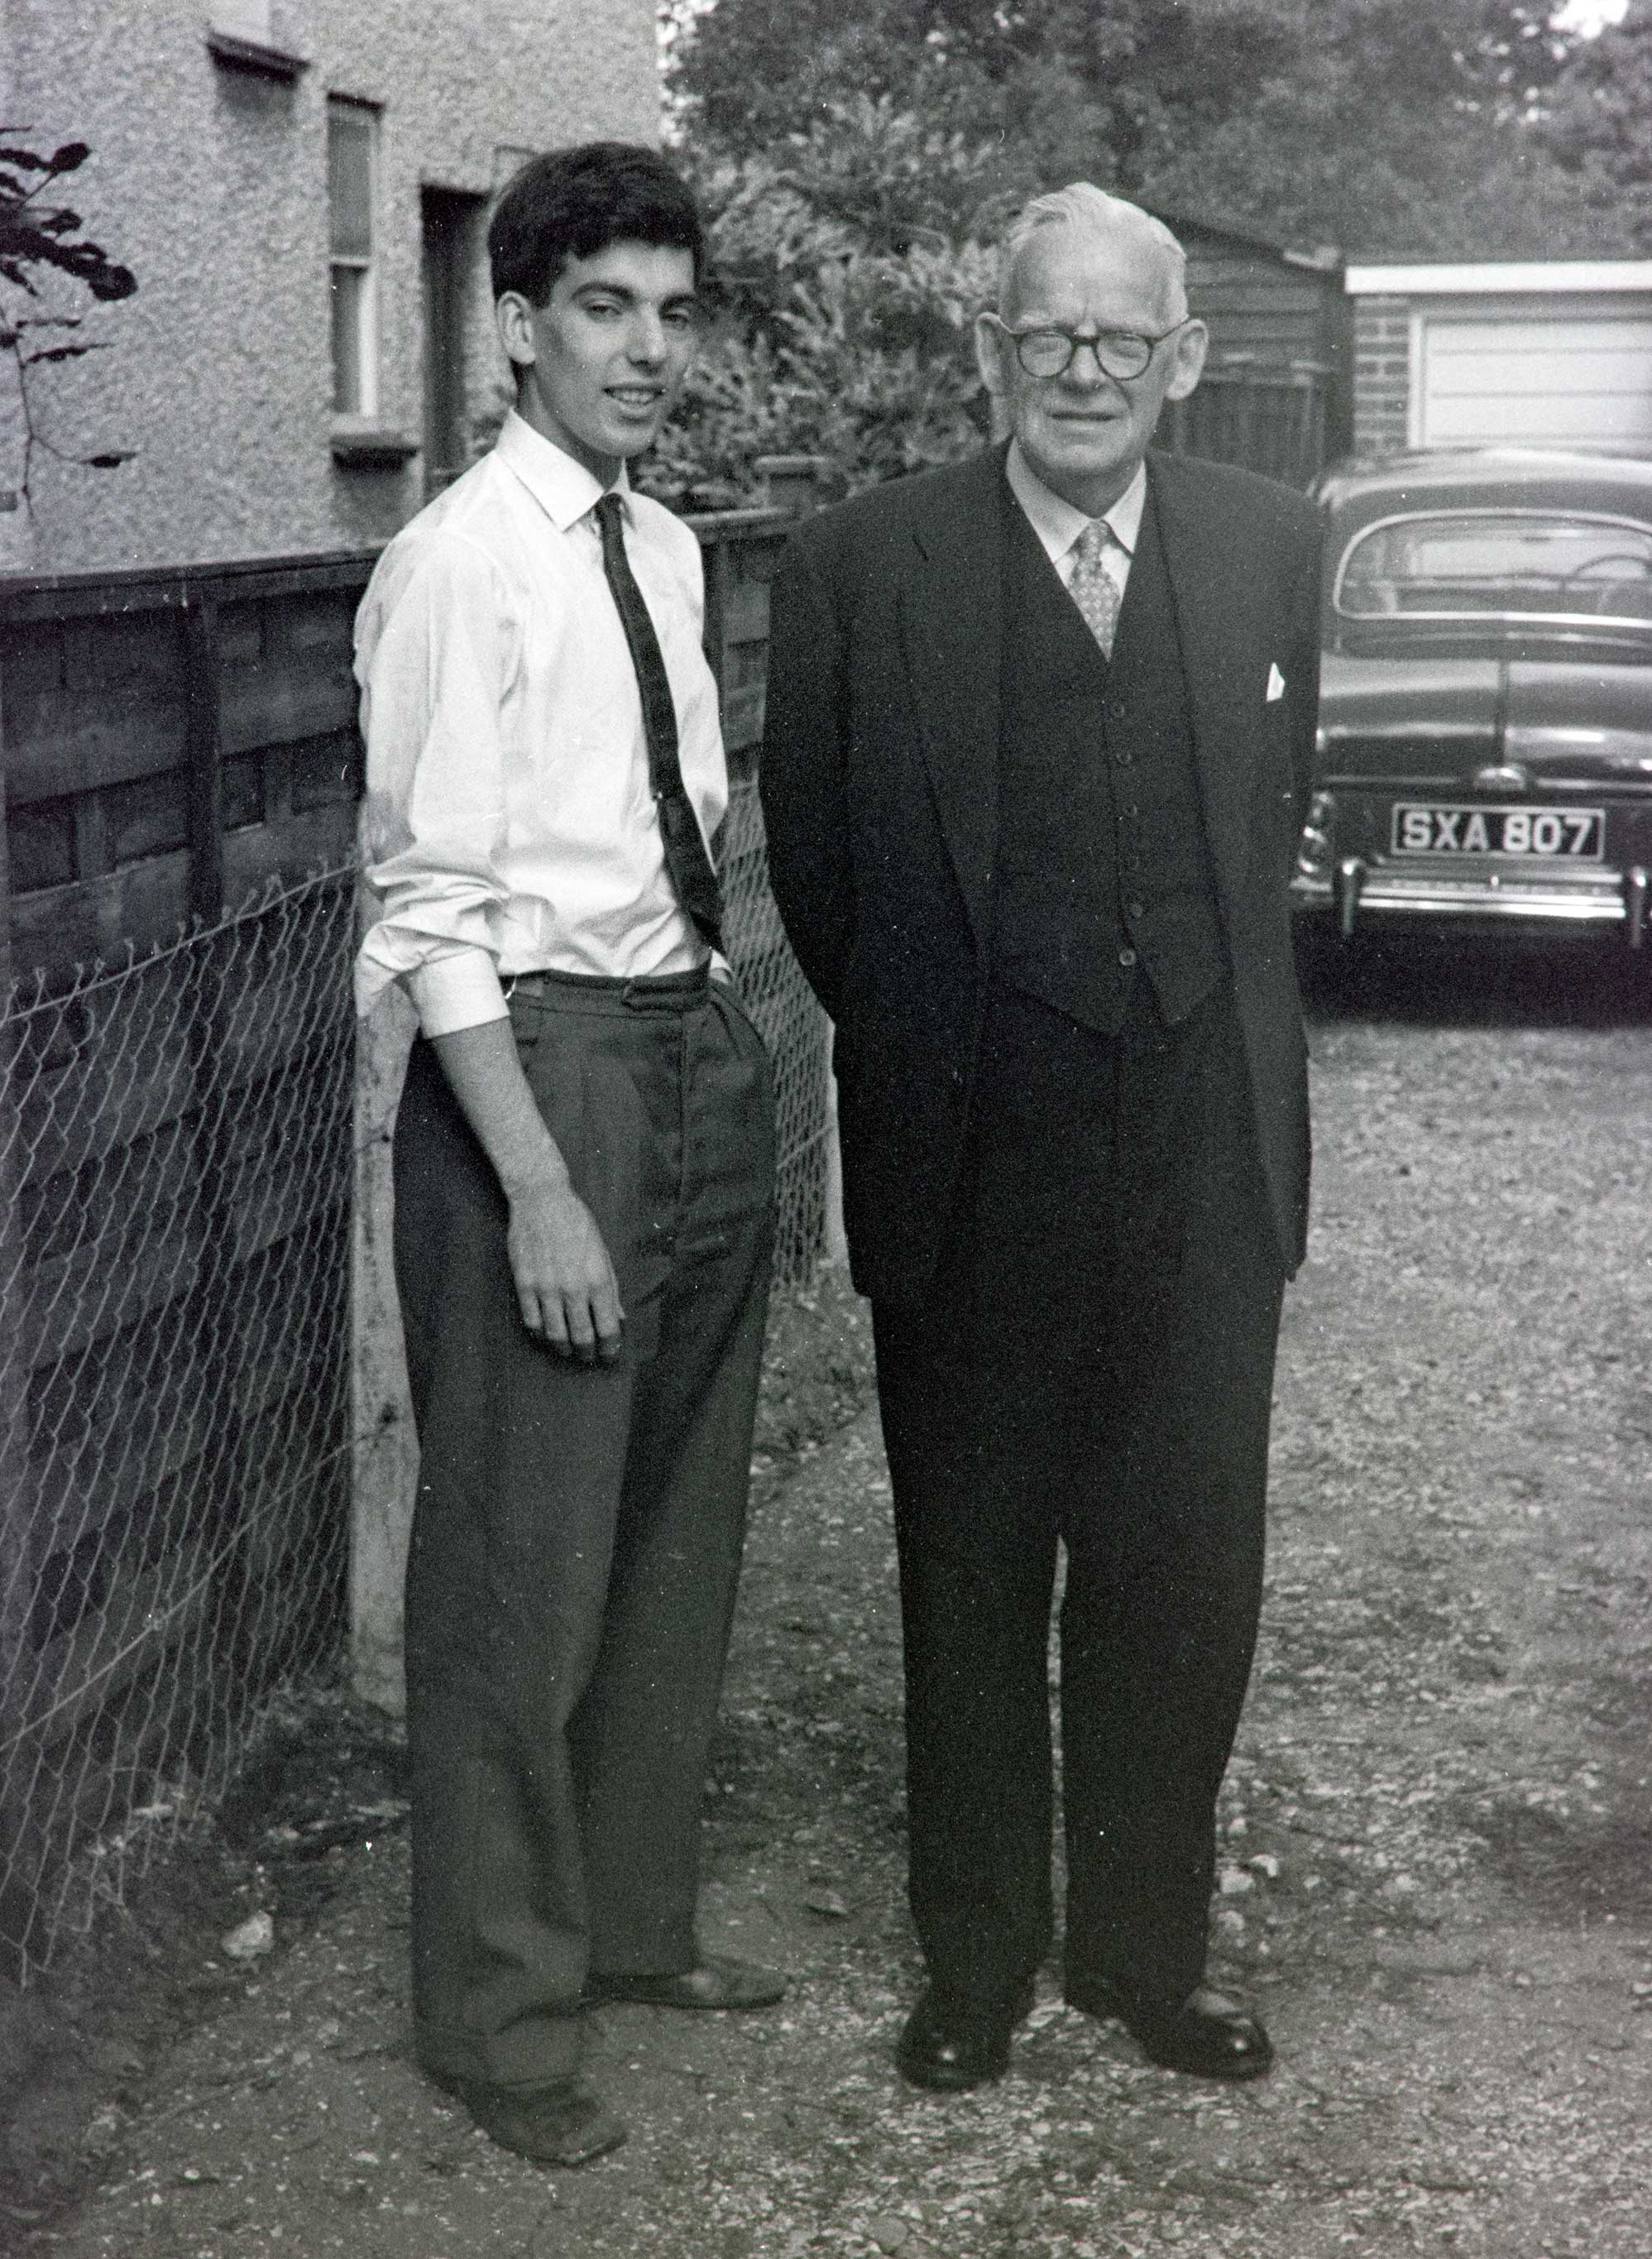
574	203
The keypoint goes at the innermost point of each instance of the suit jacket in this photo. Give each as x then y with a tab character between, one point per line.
879	791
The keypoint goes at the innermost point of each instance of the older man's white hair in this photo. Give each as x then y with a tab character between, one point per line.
1083	205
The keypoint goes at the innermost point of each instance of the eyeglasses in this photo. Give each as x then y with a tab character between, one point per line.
1120	353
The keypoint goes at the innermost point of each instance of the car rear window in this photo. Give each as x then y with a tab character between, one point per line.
1536	564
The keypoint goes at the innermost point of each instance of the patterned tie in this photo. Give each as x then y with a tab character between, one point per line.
1092	587
685	858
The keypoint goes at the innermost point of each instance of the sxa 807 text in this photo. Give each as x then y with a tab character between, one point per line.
1432	830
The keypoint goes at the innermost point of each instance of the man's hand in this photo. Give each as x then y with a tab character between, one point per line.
566	1287
564	1282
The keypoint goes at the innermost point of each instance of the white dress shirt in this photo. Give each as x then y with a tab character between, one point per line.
508	825
1058	524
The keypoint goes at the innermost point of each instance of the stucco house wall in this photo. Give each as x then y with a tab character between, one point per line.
209	177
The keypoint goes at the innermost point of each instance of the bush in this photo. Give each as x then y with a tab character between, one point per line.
848	267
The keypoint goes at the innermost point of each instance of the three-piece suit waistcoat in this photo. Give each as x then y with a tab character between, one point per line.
1104	874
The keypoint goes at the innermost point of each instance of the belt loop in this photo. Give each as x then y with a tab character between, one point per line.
638	996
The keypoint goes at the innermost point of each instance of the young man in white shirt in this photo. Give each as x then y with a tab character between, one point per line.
584	1171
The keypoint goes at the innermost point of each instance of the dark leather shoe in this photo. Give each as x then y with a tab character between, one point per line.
717	1983
562	2124
950	2045
1206	2034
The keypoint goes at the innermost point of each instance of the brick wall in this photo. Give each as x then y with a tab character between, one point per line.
1382	375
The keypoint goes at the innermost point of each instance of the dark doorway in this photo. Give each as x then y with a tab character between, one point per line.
452	235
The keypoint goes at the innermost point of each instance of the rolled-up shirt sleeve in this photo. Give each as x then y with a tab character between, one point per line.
437	647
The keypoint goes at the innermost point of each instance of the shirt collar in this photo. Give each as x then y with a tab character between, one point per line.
562	489
1057	524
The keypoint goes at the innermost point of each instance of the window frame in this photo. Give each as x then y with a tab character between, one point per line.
365	408
1422	514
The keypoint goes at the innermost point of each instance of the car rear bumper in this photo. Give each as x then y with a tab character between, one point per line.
1360	894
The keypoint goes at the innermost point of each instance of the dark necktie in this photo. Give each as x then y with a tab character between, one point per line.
686	857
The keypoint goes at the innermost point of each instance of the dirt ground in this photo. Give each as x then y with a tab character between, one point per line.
1436	1876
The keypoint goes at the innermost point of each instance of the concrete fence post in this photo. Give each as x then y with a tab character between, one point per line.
794	482
20	1848
385	1454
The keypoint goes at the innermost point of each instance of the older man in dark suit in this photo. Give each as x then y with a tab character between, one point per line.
1038	741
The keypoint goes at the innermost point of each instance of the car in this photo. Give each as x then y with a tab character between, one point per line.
1484	763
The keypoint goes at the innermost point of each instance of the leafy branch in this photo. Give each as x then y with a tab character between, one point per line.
40	237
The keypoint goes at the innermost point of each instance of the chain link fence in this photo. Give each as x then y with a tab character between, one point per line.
176	1155
796	1029
175	1373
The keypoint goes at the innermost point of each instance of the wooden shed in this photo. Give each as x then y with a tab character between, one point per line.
1276	392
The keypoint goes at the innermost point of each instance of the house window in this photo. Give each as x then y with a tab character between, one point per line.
352	134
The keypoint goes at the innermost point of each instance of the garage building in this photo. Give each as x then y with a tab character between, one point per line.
1528	353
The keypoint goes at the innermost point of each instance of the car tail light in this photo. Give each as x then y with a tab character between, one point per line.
1316	850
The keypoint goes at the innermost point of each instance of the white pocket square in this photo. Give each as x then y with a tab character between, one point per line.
1276	685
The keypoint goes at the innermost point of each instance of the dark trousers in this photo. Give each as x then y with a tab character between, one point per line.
1092	1369
577	1535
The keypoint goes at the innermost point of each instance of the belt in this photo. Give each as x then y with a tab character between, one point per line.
596	992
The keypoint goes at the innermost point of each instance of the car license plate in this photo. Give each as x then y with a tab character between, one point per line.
1574	835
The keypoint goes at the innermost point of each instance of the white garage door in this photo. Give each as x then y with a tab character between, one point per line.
1528	371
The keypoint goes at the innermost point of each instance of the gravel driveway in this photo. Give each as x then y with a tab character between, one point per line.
1437	1863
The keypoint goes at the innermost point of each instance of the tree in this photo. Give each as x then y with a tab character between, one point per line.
1388	129
850	264
41	239
1398	133
1596	123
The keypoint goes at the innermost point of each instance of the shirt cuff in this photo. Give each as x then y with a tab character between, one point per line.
461	991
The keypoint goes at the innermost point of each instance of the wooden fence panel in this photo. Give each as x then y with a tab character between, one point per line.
1268	420
173	741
